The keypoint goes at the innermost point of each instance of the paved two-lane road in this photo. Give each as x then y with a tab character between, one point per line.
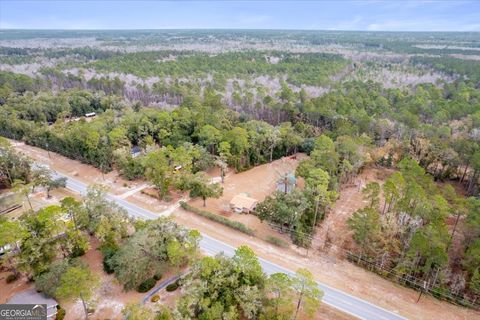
333	297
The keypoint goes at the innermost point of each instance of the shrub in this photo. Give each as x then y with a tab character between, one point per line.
49	281
11	277
146	285
229	223
155	298
77	252
60	313
172	286
164	314
108	253
277	241
157	276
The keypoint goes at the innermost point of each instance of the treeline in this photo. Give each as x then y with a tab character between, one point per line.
403	230
20	83
470	69
86	53
305	68
436	126
193	137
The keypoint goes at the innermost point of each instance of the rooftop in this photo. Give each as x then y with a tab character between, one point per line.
243	201
34	297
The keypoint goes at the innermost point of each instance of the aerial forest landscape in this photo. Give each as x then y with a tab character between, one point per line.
240	160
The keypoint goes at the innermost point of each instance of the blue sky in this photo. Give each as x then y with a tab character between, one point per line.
320	15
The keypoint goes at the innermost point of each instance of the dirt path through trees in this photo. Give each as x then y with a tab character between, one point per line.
333	235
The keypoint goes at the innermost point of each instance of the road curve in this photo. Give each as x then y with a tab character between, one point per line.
343	301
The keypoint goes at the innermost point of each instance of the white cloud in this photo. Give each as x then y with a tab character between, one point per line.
424	25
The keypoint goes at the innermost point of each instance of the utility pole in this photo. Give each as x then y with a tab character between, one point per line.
454	229
421	290
48	150
314	219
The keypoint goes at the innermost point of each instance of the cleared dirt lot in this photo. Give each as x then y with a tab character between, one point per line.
257	183
38	200
7	290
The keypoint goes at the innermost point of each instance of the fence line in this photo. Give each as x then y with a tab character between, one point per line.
414	282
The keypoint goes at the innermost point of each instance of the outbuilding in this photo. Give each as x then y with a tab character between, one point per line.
36	298
135	151
243	203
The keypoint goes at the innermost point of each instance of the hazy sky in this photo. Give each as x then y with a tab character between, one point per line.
324	15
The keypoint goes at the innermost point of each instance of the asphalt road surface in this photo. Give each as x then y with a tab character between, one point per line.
343	301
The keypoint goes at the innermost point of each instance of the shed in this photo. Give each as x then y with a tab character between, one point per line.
36	298
135	151
287	183
243	203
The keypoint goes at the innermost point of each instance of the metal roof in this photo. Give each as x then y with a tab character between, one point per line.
32	297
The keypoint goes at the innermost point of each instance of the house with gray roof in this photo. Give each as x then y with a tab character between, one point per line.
37	298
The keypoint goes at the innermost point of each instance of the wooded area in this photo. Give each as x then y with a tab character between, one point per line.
180	113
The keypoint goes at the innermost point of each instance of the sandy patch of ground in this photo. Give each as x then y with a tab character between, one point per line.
326	312
148	198
39	200
258	183
109	299
7	290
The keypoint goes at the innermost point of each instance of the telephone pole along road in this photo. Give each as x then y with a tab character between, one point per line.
343	301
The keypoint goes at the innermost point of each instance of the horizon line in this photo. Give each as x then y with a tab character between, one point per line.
233	29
